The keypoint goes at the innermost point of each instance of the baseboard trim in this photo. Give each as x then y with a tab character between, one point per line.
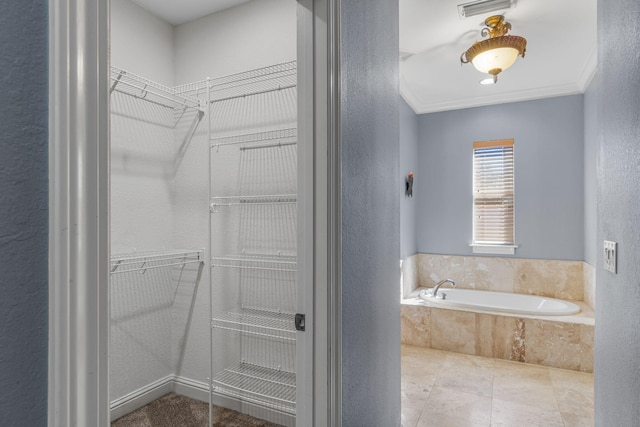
195	390
142	396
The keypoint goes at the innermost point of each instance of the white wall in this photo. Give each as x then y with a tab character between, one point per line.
253	35
141	43
142	152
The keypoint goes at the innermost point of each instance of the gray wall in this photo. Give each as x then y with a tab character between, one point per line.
23	213
591	128
408	164
370	214
549	189
617	340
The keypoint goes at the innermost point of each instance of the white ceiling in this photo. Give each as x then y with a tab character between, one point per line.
560	59
177	12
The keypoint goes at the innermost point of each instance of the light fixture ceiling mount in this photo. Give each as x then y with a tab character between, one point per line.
498	52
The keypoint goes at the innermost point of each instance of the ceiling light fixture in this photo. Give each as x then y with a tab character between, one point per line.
498	52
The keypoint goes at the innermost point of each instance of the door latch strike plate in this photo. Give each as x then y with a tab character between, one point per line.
300	322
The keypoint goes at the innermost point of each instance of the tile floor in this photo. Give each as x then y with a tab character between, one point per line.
443	389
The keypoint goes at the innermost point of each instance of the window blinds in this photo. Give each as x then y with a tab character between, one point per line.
493	186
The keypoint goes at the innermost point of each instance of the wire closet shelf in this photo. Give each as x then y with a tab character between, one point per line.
143	261
279	77
138	87
275	389
259	268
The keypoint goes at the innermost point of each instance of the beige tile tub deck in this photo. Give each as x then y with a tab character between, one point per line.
558	341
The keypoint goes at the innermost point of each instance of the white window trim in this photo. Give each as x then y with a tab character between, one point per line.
494	249
488	248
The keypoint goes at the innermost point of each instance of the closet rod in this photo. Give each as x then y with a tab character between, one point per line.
277	144
244	95
144	268
284	67
160	104
184	102
148	90
157	256
256	81
254	137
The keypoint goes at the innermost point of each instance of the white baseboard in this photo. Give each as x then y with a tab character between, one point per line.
191	388
142	396
195	390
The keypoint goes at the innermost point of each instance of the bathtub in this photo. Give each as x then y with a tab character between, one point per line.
501	301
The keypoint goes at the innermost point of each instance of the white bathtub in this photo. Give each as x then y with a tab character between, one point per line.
502	301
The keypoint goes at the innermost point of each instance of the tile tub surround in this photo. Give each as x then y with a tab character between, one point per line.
409	269
558	341
550	278
589	285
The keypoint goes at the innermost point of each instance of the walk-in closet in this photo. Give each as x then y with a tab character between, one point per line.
203	213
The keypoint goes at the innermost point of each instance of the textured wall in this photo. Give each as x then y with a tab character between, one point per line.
591	129
370	214
549	146
23	213
408	163
617	365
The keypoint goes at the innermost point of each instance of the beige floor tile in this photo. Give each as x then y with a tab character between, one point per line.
421	360
410	416
467	364
452	403
573	401
516	372
447	389
440	420
572	379
572	420
521	392
480	383
413	395
418	378
511	414
425	366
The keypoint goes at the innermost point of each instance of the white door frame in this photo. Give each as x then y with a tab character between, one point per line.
319	212
79	213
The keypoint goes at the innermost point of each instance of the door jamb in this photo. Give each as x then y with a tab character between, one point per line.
78	391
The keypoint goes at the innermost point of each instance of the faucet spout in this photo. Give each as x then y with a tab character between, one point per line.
434	293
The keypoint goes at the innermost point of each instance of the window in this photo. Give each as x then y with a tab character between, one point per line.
493	197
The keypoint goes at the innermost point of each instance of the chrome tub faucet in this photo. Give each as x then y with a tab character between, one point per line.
434	293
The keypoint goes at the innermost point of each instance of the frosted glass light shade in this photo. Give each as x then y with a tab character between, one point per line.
495	60
494	55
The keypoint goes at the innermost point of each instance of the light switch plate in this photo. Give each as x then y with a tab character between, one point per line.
610	256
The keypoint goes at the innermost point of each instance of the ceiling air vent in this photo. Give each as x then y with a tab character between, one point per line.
483	6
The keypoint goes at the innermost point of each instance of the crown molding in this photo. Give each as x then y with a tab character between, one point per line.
481	101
